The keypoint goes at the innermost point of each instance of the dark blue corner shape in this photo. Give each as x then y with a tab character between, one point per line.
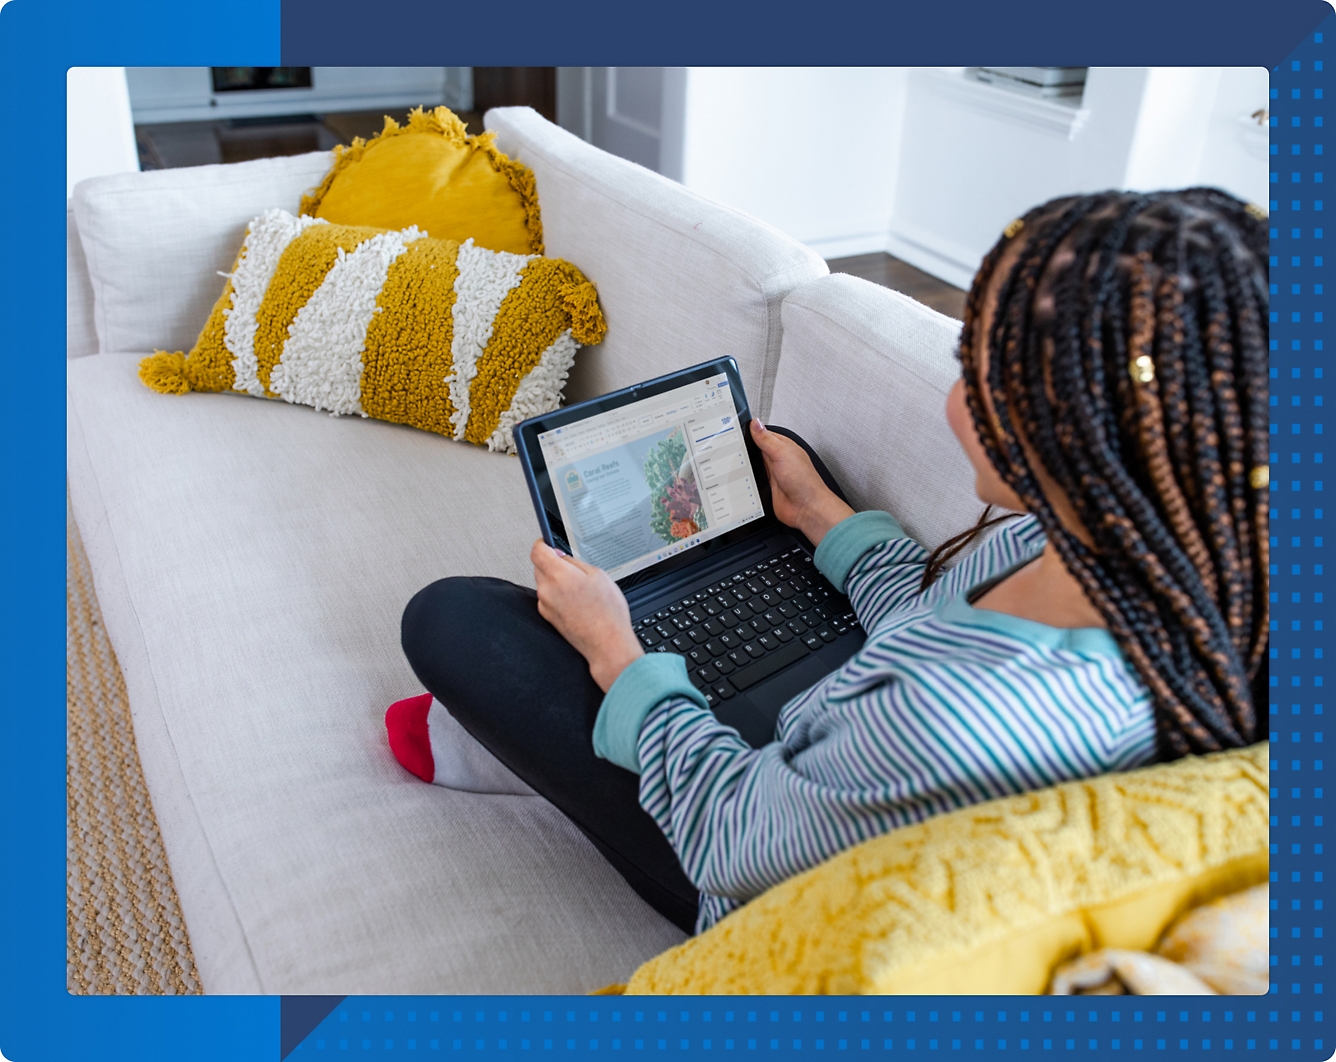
40	39
839	32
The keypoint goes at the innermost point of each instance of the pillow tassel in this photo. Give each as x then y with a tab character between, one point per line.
587	323
165	373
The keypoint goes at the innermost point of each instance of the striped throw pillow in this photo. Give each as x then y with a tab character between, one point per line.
444	336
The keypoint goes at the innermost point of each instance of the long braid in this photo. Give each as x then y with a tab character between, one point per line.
1127	360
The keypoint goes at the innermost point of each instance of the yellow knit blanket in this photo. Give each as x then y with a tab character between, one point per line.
989	899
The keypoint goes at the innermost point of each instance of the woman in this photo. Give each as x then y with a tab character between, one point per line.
1113	403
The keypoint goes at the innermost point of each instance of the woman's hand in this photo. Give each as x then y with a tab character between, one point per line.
801	498
588	610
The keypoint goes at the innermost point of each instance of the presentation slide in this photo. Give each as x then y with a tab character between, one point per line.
631	500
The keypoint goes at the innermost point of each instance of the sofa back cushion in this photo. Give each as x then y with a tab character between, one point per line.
680	279
155	242
863	377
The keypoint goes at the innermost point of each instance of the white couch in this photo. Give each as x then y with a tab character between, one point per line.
252	560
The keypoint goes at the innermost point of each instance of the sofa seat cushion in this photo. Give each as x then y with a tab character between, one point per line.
252	561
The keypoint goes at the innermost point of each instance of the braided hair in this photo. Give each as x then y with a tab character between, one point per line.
1128	356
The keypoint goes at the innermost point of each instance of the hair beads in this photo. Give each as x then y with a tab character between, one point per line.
1127	357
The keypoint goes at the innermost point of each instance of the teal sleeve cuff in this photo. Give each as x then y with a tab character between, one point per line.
850	539
646	682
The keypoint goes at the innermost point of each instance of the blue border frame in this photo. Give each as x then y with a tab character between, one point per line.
39	39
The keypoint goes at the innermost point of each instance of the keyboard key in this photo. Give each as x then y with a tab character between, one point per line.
773	618
738	615
797	626
663	647
699	636
715	647
770	597
738	578
782	633
682	643
699	655
741	593
714	627
749	676
681	622
711	607
723	690
661	614
740	657
724	665
711	698
827	635
788	610
759	625
675	609
785	591
754	650
664	630
768	642
707	675
812	641
729	640
725	600
649	639
812	618
695	615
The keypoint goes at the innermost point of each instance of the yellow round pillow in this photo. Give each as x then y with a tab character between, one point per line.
432	174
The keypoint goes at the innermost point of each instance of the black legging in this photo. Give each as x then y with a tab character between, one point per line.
481	648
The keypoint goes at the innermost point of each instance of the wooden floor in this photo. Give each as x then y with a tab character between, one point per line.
881	268
171	144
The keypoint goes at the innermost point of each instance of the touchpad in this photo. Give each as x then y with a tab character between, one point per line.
772	694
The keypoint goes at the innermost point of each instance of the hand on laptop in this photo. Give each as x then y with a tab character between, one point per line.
800	497
588	609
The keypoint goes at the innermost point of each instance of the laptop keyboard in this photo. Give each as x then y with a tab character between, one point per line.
749	625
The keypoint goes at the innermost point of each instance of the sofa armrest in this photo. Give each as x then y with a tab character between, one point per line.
863	377
80	335
681	279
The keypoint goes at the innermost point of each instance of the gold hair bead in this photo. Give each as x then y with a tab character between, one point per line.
1255	211
1142	369
1014	228
1260	477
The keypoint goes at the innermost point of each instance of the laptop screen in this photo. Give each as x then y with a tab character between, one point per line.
642	482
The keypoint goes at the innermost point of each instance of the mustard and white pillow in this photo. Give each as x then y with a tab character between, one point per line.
395	325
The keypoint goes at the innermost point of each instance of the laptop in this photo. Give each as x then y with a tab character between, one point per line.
662	487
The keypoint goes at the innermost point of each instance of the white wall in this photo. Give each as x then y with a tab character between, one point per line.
99	132
812	151
925	163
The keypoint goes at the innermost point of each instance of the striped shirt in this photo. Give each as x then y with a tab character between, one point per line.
945	705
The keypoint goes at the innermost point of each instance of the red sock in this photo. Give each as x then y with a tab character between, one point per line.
410	740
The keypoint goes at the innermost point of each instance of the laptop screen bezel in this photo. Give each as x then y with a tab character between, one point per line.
544	497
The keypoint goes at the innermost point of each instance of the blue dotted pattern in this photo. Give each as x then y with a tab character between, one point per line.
1298	306
784	1027
1288	1020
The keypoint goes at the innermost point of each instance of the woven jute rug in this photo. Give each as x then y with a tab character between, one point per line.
125	931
